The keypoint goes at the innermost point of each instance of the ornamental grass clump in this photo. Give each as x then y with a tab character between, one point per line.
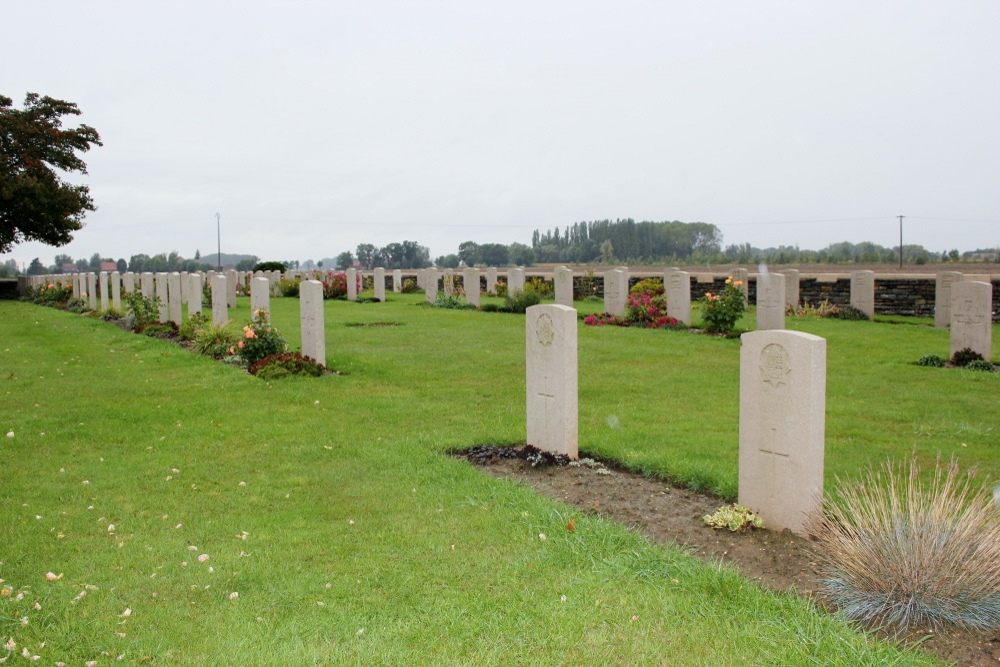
899	552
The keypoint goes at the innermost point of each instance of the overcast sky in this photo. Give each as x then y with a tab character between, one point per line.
312	127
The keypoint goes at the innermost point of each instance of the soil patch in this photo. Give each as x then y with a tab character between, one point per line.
668	514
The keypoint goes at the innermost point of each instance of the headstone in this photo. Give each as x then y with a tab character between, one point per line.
352	285
863	292
116	291
615	292
311	318
146	284
260	295
220	307
175	306
515	280
563	278
972	317
77	288
397	281
102	279
194	294
782	426
379	283
92	291
185	286
470	281
422	278
275	278
491	280
791	287
678	288
770	301
942	297
551	362
231	281
448	282
161	294
431	285
742	278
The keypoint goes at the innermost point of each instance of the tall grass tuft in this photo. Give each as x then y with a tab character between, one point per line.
899	553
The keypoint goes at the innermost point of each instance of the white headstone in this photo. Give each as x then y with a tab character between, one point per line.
194	294
515	280
791	287
352	285
175	307
260	295
677	285
491	280
770	301
102	279
128	282
311	317
397	281
942	297
231	281
421	278
470	282
161	294
972	317
742	276
615	292
448	282
563	279
78	288
379	283
431	285
116	291
220	308
185	286
782	426
92	291
146	283
552	394
863	292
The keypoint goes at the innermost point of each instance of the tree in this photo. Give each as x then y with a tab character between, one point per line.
447	261
35	203
121	265
58	262
468	252
36	268
366	256
345	260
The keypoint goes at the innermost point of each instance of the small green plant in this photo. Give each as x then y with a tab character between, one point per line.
285	364
216	341
521	300
721	312
734	517
450	301
500	289
651	287
847	313
980	365
112	313
189	329
932	360
589	286
901	552
289	286
259	339
409	286
159	330
143	310
963	357
541	286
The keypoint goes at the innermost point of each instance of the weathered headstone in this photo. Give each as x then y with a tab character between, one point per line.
770	301
470	282
128	282
78	288
791	287
615	292
311	318
422	278
491	280
92	291
942	297
161	294
352	285
379	283
232	281
448	282
220	308
431	285
742	277
102	279
563	279
194	294
972	317
185	286
552	398
515	280
116	291
175	307
146	284
677	285
782	426
275	278
397	281
863	292
260	295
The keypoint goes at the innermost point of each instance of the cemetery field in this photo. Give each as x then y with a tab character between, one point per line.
196	515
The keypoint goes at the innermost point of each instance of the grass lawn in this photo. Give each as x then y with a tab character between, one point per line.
329	506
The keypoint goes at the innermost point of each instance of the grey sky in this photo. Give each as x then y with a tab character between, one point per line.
312	127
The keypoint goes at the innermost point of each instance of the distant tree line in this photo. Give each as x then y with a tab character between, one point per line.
847	253
405	255
625	240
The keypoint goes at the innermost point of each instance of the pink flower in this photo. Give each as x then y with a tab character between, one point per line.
250	333
240	345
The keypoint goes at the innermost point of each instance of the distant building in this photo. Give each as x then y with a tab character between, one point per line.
69	267
109	266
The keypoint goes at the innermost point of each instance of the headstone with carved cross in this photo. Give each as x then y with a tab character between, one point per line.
863	292
677	285
942	297
551	356
615	291
782	423
770	301
972	317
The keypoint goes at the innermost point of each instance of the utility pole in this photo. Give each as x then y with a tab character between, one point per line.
218	229
900	240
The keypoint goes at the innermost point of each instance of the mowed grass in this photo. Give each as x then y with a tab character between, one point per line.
330	507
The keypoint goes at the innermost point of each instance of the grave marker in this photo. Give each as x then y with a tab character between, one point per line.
397	281
116	291
260	295
863	292
770	301
102	279
161	294
146	284
615	292
470	281
194	294
311	318
92	291
175	308
791	287
380	284
220	308
972	317
552	398
743	277
563	279
352	285
678	289
491	280
515	280
431	285
942	297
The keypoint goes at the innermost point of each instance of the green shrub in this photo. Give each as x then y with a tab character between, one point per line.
285	364
963	357
451	301
521	300
216	341
260	339
190	328
651	287
721	312
112	313
269	266
490	308
847	313
159	330
409	286
980	365
289	287
901	552
540	286
930	360
500	289
143	310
